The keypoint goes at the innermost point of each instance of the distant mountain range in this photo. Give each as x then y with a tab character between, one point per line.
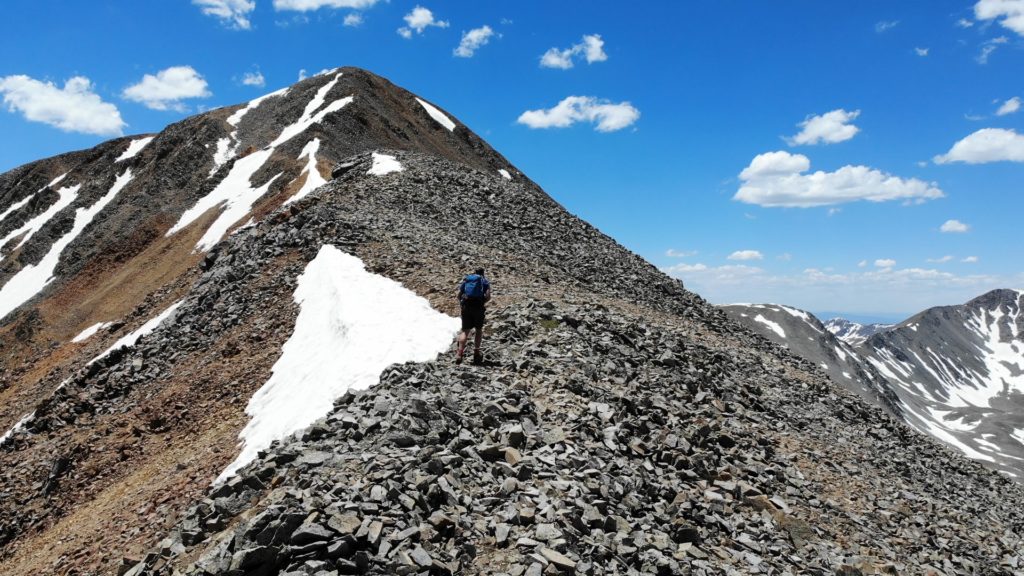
953	372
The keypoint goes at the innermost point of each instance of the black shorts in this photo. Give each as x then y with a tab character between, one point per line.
472	316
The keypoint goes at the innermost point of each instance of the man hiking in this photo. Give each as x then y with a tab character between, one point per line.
473	294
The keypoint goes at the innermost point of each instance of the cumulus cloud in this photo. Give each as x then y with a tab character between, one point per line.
942	260
828	128
353	19
1009	107
167	89
986	145
964	23
1009	13
921	51
590	48
746	255
673	253
886	25
885	263
970	260
778	179
303	74
473	40
73	108
607	116
254	79
954	227
232	13
419	20
310	5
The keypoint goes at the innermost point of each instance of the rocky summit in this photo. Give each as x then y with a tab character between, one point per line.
159	291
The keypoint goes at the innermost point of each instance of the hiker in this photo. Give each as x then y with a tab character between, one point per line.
473	294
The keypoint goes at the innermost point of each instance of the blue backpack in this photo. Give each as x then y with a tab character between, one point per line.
473	287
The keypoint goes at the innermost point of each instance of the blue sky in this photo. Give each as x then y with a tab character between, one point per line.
676	101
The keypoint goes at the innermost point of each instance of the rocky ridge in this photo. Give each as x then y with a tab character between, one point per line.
621	424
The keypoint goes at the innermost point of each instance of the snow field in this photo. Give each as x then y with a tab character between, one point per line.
132	337
352	324
90	331
66	196
313	178
774	326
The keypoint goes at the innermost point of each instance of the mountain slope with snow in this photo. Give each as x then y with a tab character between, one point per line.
956	373
264	294
853	333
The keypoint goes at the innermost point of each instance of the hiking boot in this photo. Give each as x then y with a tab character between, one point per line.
478	358
458	359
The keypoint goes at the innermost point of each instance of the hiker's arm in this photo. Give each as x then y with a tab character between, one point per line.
487	295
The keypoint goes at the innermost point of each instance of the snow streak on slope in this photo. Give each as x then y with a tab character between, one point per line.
437	115
132	337
235	193
34	277
347	332
313	178
66	196
17	205
19	426
384	164
88	332
773	325
134	147
225	151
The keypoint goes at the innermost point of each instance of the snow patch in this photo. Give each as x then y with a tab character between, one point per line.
131	338
310	115
384	164
437	115
799	314
34	277
773	325
313	178
134	147
223	153
504	174
90	331
18	427
352	324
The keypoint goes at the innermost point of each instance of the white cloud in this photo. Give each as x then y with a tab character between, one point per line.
970	260
1009	107
473	40
746	255
828	128
885	263
866	291
988	47
168	88
309	5
254	79
673	253
921	51
591	48
954	227
886	25
1009	13
303	74
942	260
986	145
233	13
862	264
609	117
964	23
419	20
73	108
785	257
353	19
777	179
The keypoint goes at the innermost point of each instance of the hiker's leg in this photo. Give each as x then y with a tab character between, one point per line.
479	338
463	336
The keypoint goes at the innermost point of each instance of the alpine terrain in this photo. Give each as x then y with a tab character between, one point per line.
227	349
955	373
